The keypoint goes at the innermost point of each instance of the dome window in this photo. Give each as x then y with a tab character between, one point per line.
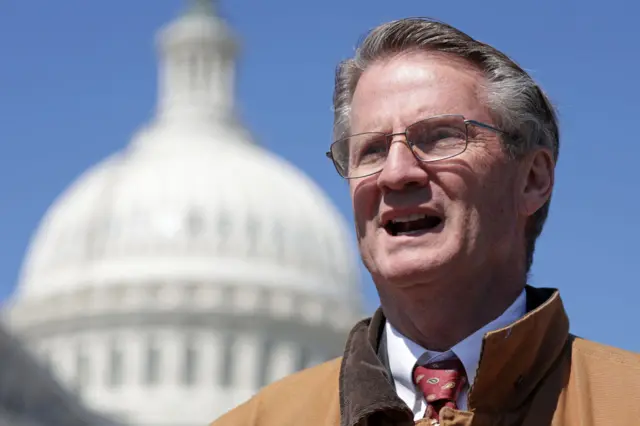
195	223
266	360
227	365
189	363
253	231
115	368
152	363
278	241
224	227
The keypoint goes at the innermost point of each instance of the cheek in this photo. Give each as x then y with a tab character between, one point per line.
365	200
498	207
482	195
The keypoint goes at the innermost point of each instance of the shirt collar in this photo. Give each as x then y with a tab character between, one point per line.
404	353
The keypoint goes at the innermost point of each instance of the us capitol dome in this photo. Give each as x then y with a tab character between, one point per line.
178	276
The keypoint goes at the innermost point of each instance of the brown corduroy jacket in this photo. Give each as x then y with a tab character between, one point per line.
532	373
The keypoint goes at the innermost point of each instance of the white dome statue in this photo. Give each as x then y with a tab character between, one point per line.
177	277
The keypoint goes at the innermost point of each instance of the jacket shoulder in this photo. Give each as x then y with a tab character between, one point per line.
310	393
587	350
603	385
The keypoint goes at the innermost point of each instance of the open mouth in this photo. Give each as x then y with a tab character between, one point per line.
411	224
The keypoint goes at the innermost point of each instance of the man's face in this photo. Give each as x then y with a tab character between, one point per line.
475	196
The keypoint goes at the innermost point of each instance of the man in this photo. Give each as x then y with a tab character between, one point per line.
449	148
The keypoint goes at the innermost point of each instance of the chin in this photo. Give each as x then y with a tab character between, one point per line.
412	267
401	261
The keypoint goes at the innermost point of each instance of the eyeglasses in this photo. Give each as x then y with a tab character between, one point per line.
432	139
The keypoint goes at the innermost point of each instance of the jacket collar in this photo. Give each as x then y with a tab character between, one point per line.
516	358
366	390
513	361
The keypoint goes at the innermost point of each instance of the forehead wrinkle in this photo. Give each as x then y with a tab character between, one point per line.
450	86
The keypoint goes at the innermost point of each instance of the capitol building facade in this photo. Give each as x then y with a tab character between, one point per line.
180	275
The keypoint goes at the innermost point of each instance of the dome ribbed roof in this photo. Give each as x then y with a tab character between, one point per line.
181	203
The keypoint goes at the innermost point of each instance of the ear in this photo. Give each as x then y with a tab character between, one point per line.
537	185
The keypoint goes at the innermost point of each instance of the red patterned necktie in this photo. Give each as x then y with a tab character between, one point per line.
441	383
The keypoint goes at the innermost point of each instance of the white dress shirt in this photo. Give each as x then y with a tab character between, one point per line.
403	354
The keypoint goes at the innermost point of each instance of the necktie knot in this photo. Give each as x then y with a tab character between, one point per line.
440	382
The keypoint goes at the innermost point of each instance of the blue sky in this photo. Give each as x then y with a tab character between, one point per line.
78	78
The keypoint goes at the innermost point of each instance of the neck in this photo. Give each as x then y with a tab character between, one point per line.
437	317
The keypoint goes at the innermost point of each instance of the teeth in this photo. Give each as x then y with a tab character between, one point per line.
409	218
406	232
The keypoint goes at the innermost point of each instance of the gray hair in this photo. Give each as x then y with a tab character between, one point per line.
516	102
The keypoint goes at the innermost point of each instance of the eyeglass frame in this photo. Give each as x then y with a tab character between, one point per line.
389	137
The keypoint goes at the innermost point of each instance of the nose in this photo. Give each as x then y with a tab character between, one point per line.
401	169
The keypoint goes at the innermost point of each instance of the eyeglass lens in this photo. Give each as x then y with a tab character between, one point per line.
433	139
